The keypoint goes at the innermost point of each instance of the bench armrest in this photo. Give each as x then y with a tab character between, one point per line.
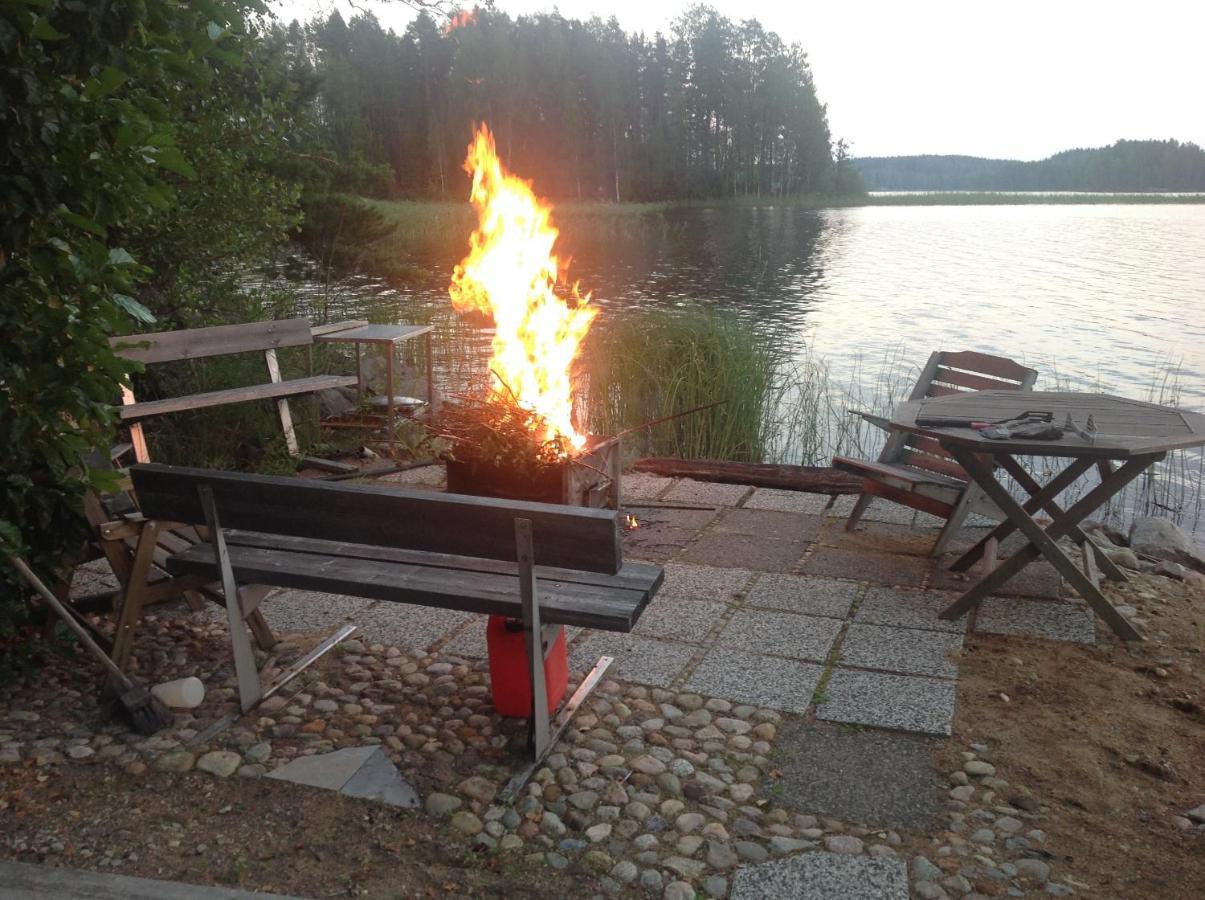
876	421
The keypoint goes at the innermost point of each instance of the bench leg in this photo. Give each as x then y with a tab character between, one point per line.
859	508
250	690
282	405
135	588
532	637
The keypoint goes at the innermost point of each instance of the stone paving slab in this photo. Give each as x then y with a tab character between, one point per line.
908	609
1038	579
1040	618
822	876
656	545
904	702
780	634
639	659
884	568
680	619
878	537
291	610
642	486
905	650
882	778
656	520
808	594
766	523
880	510
788	501
703	582
362	772
751	551
760	680
705	492
406	625
26	881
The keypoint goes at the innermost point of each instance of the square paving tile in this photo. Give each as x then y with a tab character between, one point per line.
291	610
905	650
703	582
768	523
878	537
656	545
407	626
706	492
788	501
424	476
908	609
760	680
885	568
749	551
1042	618
809	594
903	702
642	486
780	634
880	510
653	520
638	659
679	619
470	642
823	876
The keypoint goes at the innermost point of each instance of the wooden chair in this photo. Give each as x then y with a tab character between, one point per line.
916	471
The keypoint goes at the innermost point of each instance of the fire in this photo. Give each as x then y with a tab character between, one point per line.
459	20
511	274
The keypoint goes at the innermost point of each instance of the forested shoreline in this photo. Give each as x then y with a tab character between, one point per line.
1123	167
588	111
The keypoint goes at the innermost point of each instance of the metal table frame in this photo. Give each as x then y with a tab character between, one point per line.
1131	436
389	336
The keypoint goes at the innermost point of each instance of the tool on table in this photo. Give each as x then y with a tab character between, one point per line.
1088	432
146	714
1033	424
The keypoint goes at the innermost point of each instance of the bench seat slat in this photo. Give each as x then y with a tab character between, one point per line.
146	408
897	471
633	576
561	603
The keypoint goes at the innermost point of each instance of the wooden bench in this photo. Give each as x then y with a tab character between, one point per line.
198	343
545	564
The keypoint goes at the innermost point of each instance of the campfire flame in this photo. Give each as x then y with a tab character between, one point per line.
511	274
459	20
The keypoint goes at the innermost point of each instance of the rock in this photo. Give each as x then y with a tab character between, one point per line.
782	845
1197	814
929	890
1009	824
1160	538
923	870
843	843
651	881
1172	570
551	824
81	751
963	792
258	753
649	765
478	788
624	871
740	792
556	860
598	861
715	886
978	767
720	855
687	868
688	822
957	885
222	763
983	836
751	852
1033	869
438	805
679	890
599	832
1124	557
583	800
175	761
464	821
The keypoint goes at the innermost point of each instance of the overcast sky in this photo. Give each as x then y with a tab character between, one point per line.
1022	79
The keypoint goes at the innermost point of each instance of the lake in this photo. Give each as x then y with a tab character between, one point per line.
1108	297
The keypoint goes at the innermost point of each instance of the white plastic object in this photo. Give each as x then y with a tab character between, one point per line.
183	693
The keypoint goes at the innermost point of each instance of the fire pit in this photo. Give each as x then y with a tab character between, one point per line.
589	478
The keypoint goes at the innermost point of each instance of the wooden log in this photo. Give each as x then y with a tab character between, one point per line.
812	479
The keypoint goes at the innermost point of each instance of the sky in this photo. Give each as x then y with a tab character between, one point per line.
1017	80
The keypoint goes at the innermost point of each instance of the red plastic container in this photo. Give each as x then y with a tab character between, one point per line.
510	682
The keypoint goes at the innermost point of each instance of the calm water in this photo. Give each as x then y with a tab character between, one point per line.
1094	297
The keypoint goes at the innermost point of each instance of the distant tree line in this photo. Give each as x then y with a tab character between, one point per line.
712	109
1125	167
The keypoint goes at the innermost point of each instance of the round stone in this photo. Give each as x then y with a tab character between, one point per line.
688	822
751	852
679	890
624	872
978	767
175	761
843	843
648	765
222	763
924	870
599	832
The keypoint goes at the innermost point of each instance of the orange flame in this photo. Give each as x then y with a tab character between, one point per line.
459	20
511	274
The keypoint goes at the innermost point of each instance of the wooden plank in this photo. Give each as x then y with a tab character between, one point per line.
902	473
1000	366
973	382
909	498
387	516
282	405
813	479
633	576
376	334
197	343
330	465
930	463
331	327
940	390
235	395
560	603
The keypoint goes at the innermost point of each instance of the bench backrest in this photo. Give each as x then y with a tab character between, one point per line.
195	343
564	536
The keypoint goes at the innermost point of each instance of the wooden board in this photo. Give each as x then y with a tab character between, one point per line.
561	603
386	516
375	334
814	479
1125	427
196	343
147	408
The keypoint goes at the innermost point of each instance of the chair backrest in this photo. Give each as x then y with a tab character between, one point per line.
196	343
563	536
954	372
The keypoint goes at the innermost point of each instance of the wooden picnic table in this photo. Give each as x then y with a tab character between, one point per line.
1131	433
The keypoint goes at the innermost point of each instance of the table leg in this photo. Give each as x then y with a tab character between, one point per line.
1042	542
430	382
1023	478
1056	486
390	349
359	371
